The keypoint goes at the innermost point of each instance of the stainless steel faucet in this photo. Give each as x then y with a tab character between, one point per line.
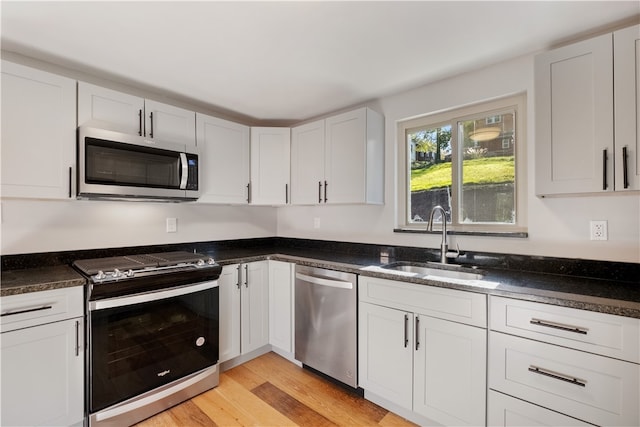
444	247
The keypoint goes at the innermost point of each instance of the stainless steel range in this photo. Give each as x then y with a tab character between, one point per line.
152	333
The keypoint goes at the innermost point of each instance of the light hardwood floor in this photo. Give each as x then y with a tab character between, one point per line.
271	391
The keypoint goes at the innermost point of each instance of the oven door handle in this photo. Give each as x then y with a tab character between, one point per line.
150	296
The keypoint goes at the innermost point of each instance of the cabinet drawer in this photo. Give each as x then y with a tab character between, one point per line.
449	304
599	333
36	308
506	411
593	388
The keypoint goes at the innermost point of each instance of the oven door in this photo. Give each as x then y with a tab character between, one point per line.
141	342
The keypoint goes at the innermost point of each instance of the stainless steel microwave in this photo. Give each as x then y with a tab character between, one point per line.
113	165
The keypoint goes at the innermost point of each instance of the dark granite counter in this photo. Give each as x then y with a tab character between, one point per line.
16	282
600	286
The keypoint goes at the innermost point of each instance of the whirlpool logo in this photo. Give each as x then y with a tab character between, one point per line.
163	373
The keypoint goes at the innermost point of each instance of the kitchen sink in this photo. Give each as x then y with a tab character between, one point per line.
435	271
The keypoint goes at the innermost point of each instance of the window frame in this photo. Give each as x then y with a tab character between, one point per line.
515	103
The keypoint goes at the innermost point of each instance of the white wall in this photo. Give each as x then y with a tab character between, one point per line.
48	226
557	227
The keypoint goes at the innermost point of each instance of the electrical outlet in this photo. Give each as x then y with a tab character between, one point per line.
316	222
599	230
172	225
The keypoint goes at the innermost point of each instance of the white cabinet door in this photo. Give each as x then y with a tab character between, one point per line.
385	353
281	305
224	147
38	133
450	372
229	291
43	375
354	157
574	118
109	109
626	69
255	306
168	123
307	163
270	165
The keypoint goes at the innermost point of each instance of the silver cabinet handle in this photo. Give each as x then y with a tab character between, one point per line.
249	193
557	376
151	120
246	276
561	326
319	191
77	338
406	330
239	274
26	310
140	122
417	332
286	194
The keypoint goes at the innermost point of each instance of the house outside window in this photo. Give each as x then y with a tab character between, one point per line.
469	161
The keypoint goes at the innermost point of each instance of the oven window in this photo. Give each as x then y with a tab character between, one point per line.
139	347
116	163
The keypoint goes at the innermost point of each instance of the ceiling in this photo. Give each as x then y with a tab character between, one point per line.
292	60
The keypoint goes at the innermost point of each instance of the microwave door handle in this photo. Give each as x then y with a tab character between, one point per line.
184	176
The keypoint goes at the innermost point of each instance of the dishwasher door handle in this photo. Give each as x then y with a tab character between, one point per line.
325	282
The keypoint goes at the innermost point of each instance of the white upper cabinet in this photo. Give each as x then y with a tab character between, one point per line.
576	151
38	133
626	72
224	147
270	165
118	111
307	163
169	123
342	163
109	109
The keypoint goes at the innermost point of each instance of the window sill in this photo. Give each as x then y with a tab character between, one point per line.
514	234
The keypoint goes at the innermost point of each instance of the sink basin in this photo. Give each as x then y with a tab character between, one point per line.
447	271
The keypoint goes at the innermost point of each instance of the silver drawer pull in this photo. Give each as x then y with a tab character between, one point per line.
562	327
557	375
28	310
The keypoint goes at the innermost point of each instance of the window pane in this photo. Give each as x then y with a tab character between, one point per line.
488	169
430	178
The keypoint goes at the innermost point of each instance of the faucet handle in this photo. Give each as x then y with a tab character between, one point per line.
454	255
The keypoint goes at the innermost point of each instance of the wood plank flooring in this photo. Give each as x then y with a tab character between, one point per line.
271	391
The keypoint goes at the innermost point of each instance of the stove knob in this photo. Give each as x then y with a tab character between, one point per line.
200	262
100	275
116	273
211	261
129	273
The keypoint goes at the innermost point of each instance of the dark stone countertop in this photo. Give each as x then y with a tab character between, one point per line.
17	282
558	281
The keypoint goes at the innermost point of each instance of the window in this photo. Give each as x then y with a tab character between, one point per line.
469	162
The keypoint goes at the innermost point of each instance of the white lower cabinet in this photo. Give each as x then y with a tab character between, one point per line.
507	411
43	365
244	308
281	305
433	367
557	358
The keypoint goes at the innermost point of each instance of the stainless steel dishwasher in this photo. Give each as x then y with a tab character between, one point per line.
326	334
